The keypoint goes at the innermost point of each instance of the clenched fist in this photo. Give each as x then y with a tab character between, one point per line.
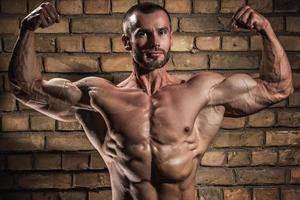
247	18
43	16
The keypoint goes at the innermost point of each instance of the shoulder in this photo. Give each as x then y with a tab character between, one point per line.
206	79
93	82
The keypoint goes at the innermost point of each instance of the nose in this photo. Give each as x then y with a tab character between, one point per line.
155	41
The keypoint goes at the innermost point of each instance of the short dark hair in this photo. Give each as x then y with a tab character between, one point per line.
146	8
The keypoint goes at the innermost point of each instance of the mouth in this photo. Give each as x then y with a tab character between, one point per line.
154	54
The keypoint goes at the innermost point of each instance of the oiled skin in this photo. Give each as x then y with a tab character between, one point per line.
152	128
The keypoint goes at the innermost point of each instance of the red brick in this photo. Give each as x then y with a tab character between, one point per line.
260	176
294	99
188	61
205	6
293	24
45	196
92	180
21	143
120	6
290	43
69	44
69	7
2	162
9	43
215	176
265	6
6	181
14	6
289	157
96	6
231	6
68	142
280	138
256	42
97	44
294	61
236	194
97	25
97	162
11	25
209	43
238	158
117	44
277	23
45	43
285	5
290	194
182	43
295	175
74	195
296	80
178	6
65	64
213	159
100	195
61	27
7	102
235	43
40	122
200	24
230	61
47	161
15	122
265	118
235	139
17	196
4	61
210	193
75	161
233	123
264	157
113	63
19	162
68	126
288	118
43	181
265	194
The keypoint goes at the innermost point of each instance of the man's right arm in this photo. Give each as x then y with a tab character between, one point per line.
56	97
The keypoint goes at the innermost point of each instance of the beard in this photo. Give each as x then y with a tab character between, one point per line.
147	63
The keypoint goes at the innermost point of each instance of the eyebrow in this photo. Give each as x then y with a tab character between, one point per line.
148	30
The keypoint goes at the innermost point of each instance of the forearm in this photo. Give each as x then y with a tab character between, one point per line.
24	70
275	69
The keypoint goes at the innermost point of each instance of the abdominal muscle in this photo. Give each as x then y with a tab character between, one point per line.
154	171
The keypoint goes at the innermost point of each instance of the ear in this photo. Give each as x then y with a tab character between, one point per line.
126	42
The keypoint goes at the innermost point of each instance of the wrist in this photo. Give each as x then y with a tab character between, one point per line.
266	28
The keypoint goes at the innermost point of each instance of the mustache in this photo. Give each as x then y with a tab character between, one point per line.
156	50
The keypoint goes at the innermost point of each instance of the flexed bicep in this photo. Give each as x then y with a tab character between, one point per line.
241	94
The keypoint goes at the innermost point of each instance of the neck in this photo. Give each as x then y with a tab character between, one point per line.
152	81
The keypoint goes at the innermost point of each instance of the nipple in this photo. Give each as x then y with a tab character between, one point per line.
186	129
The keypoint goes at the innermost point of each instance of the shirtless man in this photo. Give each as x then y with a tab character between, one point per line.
152	128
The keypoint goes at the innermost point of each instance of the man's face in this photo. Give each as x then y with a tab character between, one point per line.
150	39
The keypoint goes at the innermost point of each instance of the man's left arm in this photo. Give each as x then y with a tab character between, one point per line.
242	94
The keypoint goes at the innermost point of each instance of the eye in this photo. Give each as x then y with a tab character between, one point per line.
163	31
141	34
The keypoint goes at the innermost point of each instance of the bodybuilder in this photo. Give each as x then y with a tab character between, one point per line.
151	128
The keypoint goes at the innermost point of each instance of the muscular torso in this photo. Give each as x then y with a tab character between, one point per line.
152	143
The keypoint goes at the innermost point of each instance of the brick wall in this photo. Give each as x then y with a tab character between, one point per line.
254	158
